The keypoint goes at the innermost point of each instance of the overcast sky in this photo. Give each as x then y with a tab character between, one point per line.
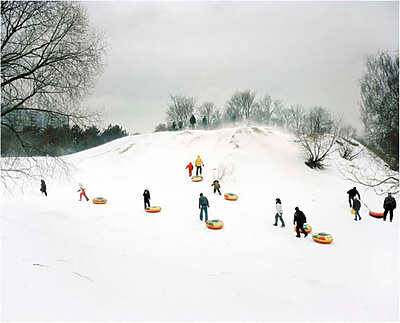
309	53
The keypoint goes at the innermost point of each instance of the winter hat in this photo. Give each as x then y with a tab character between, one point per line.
201	194
296	208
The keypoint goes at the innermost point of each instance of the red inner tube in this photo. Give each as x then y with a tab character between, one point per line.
376	214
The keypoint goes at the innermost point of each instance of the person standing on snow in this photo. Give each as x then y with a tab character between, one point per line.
146	196
199	164
203	205
299	220
356	208
190	167
279	213
83	193
352	193
389	204
43	187
216	186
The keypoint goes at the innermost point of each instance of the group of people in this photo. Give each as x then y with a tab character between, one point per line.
199	164
389	204
299	220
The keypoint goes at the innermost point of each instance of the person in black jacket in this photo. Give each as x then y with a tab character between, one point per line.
389	204
356	208
352	193
43	187
146	195
299	220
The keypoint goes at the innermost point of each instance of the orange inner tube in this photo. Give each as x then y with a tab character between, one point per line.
153	209
215	224
99	200
323	238
230	197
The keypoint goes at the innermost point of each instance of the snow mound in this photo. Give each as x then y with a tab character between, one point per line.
68	260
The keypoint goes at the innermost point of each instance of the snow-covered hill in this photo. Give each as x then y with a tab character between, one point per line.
68	260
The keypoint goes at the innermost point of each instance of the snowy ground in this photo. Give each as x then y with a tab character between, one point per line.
63	259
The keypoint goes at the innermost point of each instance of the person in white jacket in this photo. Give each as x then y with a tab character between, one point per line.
279	213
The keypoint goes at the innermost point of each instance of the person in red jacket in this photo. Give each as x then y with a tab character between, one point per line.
190	167
82	190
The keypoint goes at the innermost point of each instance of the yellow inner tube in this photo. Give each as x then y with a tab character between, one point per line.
322	237
197	178
231	197
99	200
153	209
215	224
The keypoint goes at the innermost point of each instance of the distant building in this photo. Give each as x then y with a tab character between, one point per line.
19	119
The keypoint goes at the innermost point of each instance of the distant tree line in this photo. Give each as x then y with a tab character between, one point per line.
56	141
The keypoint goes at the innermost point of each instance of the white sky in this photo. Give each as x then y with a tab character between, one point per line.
310	53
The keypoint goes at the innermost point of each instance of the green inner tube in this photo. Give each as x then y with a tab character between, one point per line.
101	199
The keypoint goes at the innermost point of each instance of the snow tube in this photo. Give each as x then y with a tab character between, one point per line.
197	178
322	237
99	200
376	215
307	228
215	224
153	209
231	197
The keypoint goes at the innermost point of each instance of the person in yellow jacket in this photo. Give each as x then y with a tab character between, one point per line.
199	164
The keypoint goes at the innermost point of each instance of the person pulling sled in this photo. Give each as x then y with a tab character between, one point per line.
146	196
83	193
199	164
299	220
352	193
389	204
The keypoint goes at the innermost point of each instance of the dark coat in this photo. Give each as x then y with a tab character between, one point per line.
299	218
353	192
43	186
389	203
216	185
146	195
203	201
356	205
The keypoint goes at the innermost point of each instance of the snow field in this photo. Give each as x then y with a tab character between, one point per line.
68	260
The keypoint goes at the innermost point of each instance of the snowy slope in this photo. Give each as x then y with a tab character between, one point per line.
68	260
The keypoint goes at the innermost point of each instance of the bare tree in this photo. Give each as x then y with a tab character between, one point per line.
180	109
264	109
241	105
377	175
49	59
207	109
347	152
298	118
317	140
